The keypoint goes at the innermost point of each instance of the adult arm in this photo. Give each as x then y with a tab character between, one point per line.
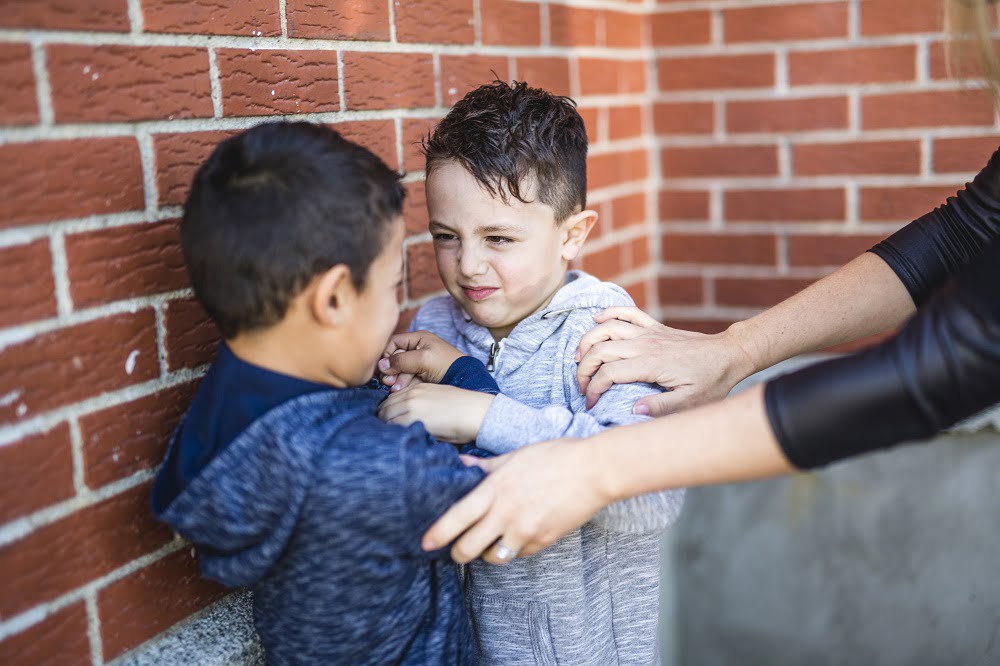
942	367
874	292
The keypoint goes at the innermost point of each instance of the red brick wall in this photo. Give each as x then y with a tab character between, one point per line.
794	135
109	106
740	150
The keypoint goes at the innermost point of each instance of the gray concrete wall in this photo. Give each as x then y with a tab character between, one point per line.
893	559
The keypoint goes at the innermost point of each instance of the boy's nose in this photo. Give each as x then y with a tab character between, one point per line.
471	264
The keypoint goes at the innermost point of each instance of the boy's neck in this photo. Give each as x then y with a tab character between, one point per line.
278	350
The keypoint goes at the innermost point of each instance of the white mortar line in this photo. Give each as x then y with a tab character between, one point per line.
76	447
438	95
161	338
545	23
94	628
215	82
340	81
398	126
135	16
147	158
283	17
392	21
60	273
477	20
43	89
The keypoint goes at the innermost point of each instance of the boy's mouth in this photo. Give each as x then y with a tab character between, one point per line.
479	293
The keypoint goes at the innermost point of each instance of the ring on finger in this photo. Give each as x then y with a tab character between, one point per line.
505	552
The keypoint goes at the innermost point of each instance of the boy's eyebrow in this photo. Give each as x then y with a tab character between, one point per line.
483	230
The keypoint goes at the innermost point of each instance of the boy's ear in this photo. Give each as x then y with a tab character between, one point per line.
575	230
333	296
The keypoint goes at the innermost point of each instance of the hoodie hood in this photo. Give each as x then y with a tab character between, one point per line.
580	291
242	508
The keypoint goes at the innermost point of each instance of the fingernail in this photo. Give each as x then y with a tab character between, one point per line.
641	410
383	365
394	387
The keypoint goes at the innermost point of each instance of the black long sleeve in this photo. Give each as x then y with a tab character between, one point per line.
942	366
932	248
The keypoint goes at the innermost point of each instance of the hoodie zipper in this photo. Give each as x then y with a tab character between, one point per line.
494	353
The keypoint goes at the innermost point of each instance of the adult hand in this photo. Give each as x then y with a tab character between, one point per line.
418	354
530	498
451	414
629	346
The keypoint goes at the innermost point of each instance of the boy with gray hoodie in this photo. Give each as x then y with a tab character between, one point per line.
506	192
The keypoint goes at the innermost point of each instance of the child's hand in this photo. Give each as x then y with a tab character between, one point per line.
419	354
450	414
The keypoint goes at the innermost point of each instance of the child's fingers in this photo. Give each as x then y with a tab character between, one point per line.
405	362
486	464
402	381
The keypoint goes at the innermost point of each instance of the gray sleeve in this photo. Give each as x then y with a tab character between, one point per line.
509	425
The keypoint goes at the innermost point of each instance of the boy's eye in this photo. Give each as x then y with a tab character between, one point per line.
440	236
499	240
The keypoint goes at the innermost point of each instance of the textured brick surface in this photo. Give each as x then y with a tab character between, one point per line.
860	65
683	205
628	210
27	288
19	105
133	436
460	74
682	28
350	19
615	168
109	15
573	26
723	71
35	472
437	21
719	249
827	250
60	179
884	17
623	30
87	544
178	157
139	606
713	161
60	639
415	209
684	118
388	80
611	77
119	83
749	292
625	122
767	24
785	205
124	262
927	109
191	336
415	130
971	154
551	74
421	271
902	204
511	23
245	17
793	115
681	290
70	364
898	157
268	82
378	136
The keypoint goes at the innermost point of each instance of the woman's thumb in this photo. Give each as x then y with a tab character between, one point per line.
660	404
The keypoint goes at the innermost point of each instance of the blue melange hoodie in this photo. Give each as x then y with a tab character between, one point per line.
319	507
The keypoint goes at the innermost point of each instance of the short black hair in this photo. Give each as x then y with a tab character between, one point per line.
275	206
509	135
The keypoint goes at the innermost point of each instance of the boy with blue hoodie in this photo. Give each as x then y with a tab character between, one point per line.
280	472
506	192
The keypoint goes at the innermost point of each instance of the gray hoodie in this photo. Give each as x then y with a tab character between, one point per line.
592	597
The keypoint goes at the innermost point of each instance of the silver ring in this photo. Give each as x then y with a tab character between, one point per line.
505	552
